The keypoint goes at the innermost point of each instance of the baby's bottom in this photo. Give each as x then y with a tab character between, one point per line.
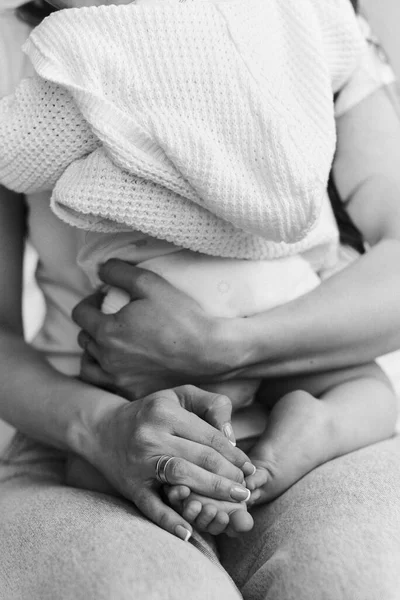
312	420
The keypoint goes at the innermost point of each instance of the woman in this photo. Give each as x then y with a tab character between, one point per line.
91	545
58	402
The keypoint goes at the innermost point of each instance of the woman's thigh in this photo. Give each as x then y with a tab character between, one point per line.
65	543
335	535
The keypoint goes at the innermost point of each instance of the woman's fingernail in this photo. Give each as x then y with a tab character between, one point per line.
183	533
248	469
240	494
228	432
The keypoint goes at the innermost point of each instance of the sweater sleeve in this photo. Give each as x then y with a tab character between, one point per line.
41	133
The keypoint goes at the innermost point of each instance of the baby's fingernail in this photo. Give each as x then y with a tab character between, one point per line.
228	432
183	533
248	469
240	494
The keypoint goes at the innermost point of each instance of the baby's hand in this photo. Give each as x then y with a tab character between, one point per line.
210	515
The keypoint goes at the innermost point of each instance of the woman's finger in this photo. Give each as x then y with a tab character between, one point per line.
216	409
150	504
88	316
88	345
189	426
92	373
139	283
181	472
167	407
208	459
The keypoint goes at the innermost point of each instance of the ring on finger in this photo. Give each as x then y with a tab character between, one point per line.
161	468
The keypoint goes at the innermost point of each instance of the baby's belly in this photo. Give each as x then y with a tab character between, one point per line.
226	287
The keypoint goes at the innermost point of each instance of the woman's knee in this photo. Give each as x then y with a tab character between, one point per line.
325	568
63	543
335	535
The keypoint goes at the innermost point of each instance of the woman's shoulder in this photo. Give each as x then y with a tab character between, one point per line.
14	65
372	73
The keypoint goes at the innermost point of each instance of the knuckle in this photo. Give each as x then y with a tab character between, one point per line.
217	441
122	380
176	471
219	486
237	475
142	436
106	362
164	521
158	408
187	392
104	332
190	389
221	402
210	461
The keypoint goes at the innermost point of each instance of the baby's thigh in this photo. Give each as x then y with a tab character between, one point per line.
334	535
59	542
316	384
241	392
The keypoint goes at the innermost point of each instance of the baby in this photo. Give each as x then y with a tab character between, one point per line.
196	140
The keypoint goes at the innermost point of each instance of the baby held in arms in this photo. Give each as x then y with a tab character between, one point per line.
190	144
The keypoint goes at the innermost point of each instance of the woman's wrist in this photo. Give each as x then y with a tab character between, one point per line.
236	345
95	409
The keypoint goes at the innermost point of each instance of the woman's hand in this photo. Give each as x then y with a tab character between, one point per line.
161	339
131	437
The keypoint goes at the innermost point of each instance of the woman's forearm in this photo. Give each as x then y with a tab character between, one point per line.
44	404
351	318
354	316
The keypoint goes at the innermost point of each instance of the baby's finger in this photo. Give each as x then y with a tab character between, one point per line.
219	524
240	521
191	510
176	493
257	479
255	498
206	516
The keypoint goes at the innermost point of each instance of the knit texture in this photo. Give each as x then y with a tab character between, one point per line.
208	125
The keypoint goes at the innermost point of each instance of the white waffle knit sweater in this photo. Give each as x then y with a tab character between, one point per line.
207	125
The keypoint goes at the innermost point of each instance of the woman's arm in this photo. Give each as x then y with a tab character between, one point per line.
48	413
354	316
123	440
351	318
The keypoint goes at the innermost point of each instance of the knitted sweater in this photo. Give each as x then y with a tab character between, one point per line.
207	125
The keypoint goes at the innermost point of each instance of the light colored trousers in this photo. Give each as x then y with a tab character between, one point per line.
335	535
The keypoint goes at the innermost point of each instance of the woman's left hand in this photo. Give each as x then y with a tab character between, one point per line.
161	339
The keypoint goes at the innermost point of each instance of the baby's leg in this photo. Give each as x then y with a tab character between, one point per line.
241	392
349	409
207	514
